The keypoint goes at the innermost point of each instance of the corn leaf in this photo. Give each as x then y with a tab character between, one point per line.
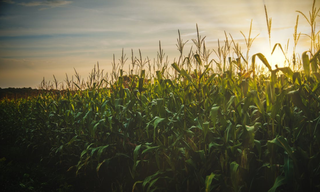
281	180
208	182
306	63
263	59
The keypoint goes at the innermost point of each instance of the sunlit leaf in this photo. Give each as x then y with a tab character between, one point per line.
306	63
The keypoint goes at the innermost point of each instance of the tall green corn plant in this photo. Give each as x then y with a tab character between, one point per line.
199	41
313	14
180	45
248	41
313	63
199	81
269	24
222	53
296	37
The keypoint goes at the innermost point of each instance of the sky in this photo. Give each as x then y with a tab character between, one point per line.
42	38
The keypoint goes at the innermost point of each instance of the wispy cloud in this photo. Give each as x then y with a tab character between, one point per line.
44	4
53	3
8	1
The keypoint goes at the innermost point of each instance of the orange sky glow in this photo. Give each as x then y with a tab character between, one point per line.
43	38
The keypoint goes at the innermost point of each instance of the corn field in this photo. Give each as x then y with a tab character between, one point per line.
195	124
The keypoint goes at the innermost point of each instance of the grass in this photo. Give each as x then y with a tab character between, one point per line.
194	125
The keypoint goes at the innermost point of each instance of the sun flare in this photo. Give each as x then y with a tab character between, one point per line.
277	58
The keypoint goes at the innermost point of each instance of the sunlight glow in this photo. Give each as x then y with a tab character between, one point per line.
277	58
57	36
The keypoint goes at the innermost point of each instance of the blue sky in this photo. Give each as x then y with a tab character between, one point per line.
42	38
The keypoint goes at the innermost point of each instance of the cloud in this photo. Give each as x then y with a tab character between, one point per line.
8	1
45	4
52	3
